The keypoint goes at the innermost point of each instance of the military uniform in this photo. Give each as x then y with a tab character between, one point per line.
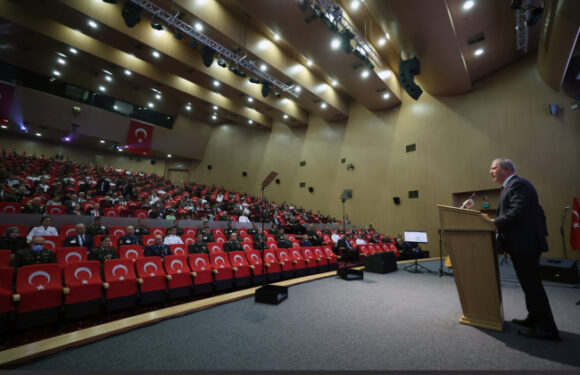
129	239
102	253
157	251
252	232
33	209
179	231
284	244
198	248
141	230
27	257
229	231
96	230
207	238
233	246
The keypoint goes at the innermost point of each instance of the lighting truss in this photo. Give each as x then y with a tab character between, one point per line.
522	15
172	20
336	12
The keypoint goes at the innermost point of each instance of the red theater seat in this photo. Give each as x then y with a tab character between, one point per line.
189	232
331	257
287	263
254	258
111	212
141	214
222	270
201	272
188	240
215	248
52	242
131	252
117	231
84	284
6	276
273	269
179	285
66	230
152	279
122	283
9	208
177	249
321	260
241	268
5	258
66	255
311	264
148	239
157	230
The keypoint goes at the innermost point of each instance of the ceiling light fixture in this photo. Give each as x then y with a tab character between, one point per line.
250	99
108	78
354	4
386	96
198	26
381	42
335	43
158	96
56	73
276	37
250	122
73	50
151	105
365	73
61	61
102	88
216	83
323	105
308	63
285	117
334	83
468	5
128	72
93	24
478	52
102	141
38	134
263	67
156	54
188	107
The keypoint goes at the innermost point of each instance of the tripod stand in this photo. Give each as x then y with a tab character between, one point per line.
441	272
417	265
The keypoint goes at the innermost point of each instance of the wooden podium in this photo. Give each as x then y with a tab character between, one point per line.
469	238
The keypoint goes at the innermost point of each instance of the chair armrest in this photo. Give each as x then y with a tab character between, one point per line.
307	260
15	297
317	259
65	290
281	263
294	261
267	264
214	271
193	274
169	277
106	285
235	269
252	266
139	281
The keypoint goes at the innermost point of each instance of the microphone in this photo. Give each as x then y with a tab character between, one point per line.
566	208
469	202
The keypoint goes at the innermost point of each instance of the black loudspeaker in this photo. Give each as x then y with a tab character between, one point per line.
244	174
381	263
278	181
311	189
397	200
561	270
350	274
408	69
209	167
271	294
152	162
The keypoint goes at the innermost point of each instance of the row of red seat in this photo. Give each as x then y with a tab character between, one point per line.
40	289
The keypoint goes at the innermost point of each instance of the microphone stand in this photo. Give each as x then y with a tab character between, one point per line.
562	231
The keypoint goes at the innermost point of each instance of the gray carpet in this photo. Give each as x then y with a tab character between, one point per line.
395	321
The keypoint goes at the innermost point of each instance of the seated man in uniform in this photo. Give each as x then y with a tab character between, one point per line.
141	228
35	254
259	238
80	238
207	236
158	249
175	224
130	238
230	229
233	244
97	228
12	240
198	247
284	242
280	235
313	236
253	231
274	230
104	251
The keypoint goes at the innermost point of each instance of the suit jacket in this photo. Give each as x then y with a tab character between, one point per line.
73	241
521	221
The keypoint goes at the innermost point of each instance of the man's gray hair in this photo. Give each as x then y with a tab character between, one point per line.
506	163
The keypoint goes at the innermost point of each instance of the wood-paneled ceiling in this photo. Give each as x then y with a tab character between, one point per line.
34	34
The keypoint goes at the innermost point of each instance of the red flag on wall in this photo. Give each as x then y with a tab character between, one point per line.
6	96
139	138
575	232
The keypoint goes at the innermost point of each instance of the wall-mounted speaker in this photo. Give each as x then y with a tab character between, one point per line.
408	69
397	200
278	181
311	189
244	173
152	162
209	167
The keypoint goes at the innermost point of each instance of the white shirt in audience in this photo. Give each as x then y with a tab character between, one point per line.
335	237
360	241
172	239
243	219
41	231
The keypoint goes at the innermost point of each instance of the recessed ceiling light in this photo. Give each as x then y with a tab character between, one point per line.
115	107
158	96
108	78
468	4
198	26
334	82
297	88
388	36
61	61
215	108
102	88
386	96
213	117
169	155
150	105
250	122
365	73
93	24
38	134
102	141
335	43
250	99
276	37
3	126
56	73
73	50
385	74
285	117
188	107
354	4
478	52
381	42
128	72
263	67
308	63
216	83
323	105
156	54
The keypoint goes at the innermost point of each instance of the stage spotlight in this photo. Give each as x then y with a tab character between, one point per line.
346	36
254	80
131	13
222	63
266	88
207	56
156	25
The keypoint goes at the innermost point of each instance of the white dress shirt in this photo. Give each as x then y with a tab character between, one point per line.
41	231
172	239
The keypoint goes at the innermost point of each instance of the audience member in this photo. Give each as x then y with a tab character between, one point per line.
104	251
12	240
35	254
158	249
43	230
233	244
207	237
172	238
141	229
198	246
80	238
130	238
97	228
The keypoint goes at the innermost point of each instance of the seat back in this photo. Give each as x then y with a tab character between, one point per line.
157	230
307	253
188	240
215	248
39	286
131	252
5	258
66	255
238	259
67	230
329	253
363	249
284	256
254	258
148	239
270	257
199	262
190	232
6	276
220	261
175	264
220	239
119	270
217	232
178	249
56	209
10	208
117	231
111	212
149	267
52	242
84	281
319	254
296	254
141	214
247	246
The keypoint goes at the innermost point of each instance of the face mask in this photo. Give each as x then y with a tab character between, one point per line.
36	247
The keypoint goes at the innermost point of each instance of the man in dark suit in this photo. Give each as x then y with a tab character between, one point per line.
127	190
521	231
103	186
80	238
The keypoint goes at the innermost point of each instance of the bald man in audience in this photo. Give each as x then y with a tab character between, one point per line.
35	254
158	249
80	238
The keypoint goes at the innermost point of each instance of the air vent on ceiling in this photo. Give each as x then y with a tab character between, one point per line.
479	37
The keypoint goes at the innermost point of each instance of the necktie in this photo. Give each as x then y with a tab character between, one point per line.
81	240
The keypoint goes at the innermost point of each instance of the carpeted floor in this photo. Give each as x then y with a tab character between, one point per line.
395	321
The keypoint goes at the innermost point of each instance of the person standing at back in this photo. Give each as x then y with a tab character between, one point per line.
521	232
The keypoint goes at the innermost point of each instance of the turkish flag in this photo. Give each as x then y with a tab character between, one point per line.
139	138
6	96
575	232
